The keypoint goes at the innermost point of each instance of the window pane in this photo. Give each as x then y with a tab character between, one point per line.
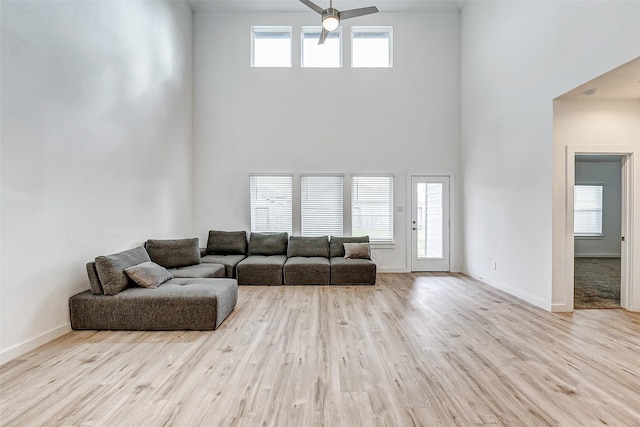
430	220
327	55
587	208
271	203
371	47
271	47
372	207
321	205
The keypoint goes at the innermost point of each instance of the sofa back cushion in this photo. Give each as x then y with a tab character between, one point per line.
227	243
268	243
174	253
336	246
110	269
94	281
308	246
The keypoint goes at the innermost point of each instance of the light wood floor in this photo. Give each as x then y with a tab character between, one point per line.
414	350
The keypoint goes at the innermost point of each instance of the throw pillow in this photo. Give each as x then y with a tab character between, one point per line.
174	253
356	251
148	274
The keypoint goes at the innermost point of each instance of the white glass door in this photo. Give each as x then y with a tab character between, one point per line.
430	223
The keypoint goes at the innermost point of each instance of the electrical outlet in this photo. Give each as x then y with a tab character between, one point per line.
494	265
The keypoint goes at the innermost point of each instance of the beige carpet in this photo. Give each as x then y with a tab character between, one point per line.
597	283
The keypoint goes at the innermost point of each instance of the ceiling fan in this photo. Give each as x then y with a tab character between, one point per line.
331	17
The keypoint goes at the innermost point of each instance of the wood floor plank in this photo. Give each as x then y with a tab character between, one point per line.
413	350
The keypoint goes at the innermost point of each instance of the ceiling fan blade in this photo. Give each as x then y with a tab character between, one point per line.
323	36
352	13
313	6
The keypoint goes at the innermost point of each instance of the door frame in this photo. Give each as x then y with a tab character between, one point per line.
452	215
628	298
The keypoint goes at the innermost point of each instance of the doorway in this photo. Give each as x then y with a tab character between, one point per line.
430	223
597	231
628	298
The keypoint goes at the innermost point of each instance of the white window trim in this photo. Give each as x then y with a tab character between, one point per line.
592	236
378	28
347	182
293	200
300	201
270	28
383	243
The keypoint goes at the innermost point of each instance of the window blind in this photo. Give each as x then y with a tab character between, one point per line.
587	210
271	203
372	207
321	205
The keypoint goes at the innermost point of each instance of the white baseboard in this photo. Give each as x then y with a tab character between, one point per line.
560	308
524	296
392	270
23	347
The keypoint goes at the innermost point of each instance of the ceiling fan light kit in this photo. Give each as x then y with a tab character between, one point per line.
331	17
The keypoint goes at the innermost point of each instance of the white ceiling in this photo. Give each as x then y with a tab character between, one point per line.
620	83
296	6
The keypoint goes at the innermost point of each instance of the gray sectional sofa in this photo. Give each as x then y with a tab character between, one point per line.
196	296
174	284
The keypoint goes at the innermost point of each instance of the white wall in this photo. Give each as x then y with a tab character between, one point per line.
608	174
516	58
96	147
594	125
258	120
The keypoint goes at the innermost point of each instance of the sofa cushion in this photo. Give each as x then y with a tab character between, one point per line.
308	246
345	271
94	281
227	243
110	269
336	248
261	270
307	271
268	243
229	262
199	270
357	251
174	253
148	274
